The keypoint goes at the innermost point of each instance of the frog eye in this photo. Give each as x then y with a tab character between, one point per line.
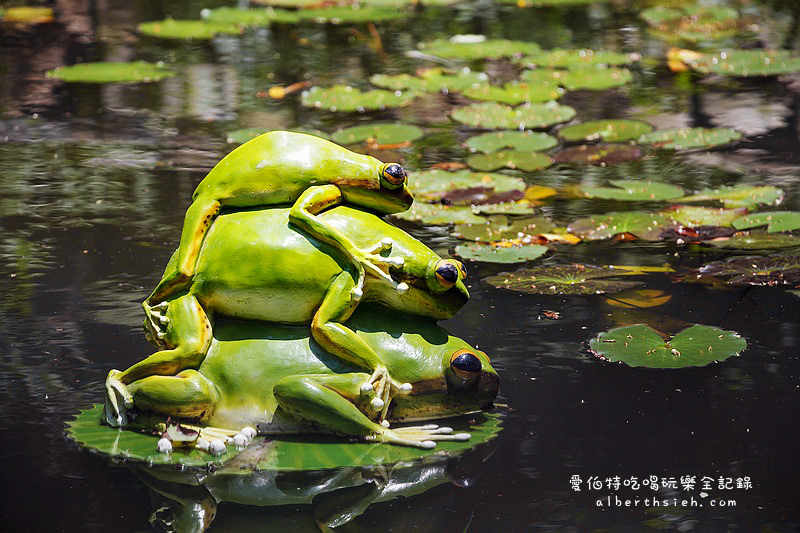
465	364
393	175
461	269
447	273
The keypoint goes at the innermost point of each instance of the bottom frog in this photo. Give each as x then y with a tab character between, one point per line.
277	379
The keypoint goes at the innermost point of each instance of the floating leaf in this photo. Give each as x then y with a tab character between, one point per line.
249	17
500	229
380	133
576	58
188	29
598	154
640	345
513	159
687	215
759	241
477	47
538	192
439	214
433	184
768	270
643	224
592	78
562	279
478	196
547	3
639	299
517	140
739	195
246	134
775	221
500	254
490	115
742	63
634	191
503	208
290	3
692	23
346	98
686	138
135	71
27	15
695	234
605	130
352	14
430	80
514	92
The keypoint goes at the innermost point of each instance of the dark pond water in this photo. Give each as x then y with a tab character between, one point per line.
95	181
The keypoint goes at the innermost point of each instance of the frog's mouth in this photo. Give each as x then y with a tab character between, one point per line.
439	398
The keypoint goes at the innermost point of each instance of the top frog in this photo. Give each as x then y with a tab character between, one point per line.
304	171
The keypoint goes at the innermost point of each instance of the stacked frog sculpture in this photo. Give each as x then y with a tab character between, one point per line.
291	307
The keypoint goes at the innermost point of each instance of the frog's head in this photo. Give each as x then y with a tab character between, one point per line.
435	287
386	190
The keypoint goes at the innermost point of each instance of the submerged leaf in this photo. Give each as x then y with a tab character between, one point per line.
135	71
513	159
686	138
27	15
563	279
605	130
498	116
516	140
639	299
378	133
346	98
634	191
759	241
640	345
755	270
775	221
500	254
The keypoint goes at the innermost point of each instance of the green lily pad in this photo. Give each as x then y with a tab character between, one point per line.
687	138
744	63
739	195
755	270
299	4
249	17
188	29
430	80
243	135
689	215
431	185
439	214
514	92
605	130
503	208
692	23
775	221
296	453
352	14
598	154
640	345
490	115
513	159
487	253
471	47
645	225
563	280
28	15
550	3
500	229
133	72
758	241
516	140
592	78
634	191
576	58
346	99
378	133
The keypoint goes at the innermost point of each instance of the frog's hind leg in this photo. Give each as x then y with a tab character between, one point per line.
187	395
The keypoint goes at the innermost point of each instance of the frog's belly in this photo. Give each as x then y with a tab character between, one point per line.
284	303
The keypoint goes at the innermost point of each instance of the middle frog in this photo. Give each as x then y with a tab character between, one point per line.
256	265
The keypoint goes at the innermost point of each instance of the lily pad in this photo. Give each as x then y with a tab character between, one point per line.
293	454
756	270
480	197
514	92
775	221
692	23
300	4
243	135
188	29
640	345
430	80
352	14
598	154
431	185
27	15
759	241
250	17
742	63
346	98
474	47
517	140
563	280
634	191
491	115
500	254
687	138
438	214
133	72
639	299
605	130
592	78
500	229
645	225
689	215
739	195
380	133
504	208
513	159
576	58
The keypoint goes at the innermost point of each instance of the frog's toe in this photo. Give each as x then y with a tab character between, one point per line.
117	400
422	435
164	445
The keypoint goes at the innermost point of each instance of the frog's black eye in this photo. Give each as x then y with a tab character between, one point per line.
446	273
393	175
465	364
462	269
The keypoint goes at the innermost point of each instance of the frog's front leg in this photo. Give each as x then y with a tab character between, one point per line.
187	339
330	403
303	215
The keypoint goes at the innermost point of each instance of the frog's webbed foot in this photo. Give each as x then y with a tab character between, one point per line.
156	321
117	400
384	388
374	260
209	439
418	436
